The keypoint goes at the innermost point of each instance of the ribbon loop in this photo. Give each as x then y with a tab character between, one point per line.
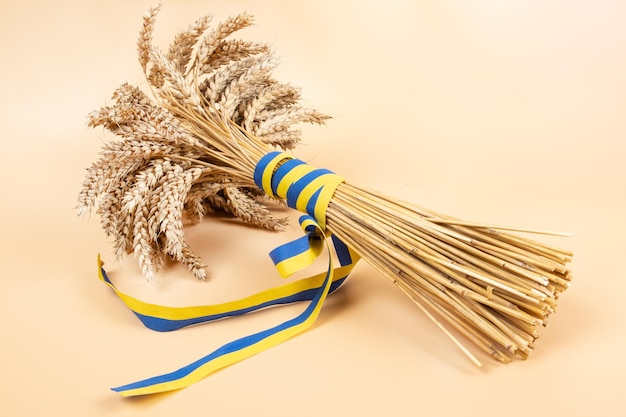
300	253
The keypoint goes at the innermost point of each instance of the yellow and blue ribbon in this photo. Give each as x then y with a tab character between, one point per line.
306	189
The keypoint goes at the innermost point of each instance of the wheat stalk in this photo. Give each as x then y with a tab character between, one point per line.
195	148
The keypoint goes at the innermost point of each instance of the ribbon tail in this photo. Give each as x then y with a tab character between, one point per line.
235	351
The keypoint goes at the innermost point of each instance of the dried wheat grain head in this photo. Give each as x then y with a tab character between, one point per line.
157	172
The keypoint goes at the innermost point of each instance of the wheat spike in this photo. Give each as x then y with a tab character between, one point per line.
159	172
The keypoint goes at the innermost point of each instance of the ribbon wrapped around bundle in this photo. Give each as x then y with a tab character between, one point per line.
209	142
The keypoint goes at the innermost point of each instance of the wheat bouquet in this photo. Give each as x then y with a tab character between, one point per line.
212	137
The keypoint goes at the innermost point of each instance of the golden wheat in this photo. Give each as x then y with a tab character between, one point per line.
194	149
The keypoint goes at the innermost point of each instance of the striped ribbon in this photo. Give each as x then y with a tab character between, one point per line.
306	189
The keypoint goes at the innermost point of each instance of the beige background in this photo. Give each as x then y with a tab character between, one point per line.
505	111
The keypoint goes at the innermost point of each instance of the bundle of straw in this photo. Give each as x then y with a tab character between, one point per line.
218	113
